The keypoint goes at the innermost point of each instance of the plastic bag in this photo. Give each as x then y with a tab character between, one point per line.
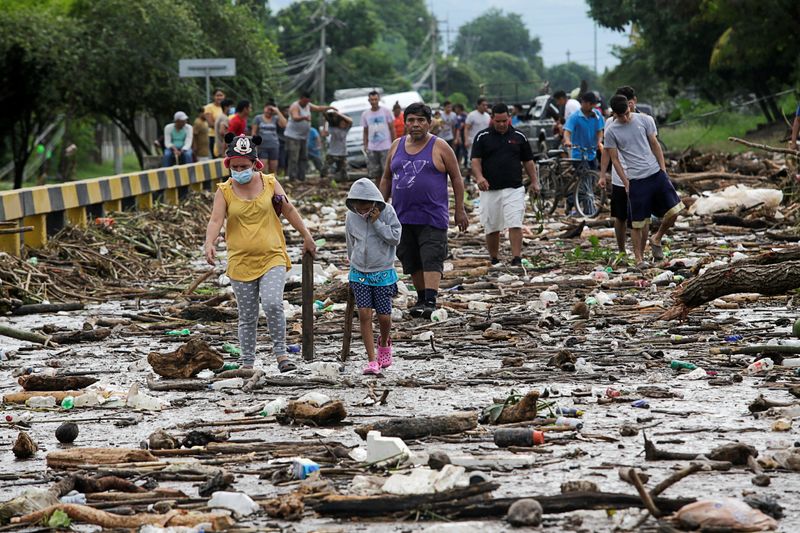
730	513
735	196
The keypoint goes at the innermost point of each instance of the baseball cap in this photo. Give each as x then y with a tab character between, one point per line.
180	115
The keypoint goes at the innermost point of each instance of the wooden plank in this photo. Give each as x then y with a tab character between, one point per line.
308	307
348	324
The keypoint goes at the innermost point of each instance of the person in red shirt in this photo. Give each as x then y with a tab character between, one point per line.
399	121
238	122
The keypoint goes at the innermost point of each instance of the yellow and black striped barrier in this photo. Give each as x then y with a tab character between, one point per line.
48	208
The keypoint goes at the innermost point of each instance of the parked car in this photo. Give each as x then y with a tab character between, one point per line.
354	106
537	124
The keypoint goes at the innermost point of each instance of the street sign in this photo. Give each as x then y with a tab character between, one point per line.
205	68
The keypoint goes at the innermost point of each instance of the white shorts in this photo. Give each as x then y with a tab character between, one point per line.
502	209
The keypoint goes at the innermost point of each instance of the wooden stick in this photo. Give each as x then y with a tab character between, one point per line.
198	282
308	307
23	335
674	478
348	324
646	499
764	147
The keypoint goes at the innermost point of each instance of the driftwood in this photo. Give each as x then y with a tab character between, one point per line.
733	220
420	427
89	485
329	414
75	457
39	382
765	147
74	337
187	361
521	411
35	309
205	313
693	177
176	384
20	334
89	515
769	274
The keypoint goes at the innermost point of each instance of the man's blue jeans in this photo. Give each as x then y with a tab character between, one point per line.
169	157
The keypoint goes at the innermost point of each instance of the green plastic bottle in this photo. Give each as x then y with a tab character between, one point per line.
68	403
179	332
231	349
677	365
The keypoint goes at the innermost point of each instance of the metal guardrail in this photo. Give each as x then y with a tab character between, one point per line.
46	209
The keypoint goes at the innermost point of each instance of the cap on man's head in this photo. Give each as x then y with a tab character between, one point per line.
590	97
180	115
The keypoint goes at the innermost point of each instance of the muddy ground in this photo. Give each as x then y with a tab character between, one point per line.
625	345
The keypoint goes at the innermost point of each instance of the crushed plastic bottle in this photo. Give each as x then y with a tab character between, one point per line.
440	315
142	402
762	365
602	298
697	373
231	349
641	404
68	403
293	348
526	263
88	399
590	300
302	468
424	336
179	332
18	418
40	402
665	278
226	367
274	407
74	497
678	365
583	367
599	275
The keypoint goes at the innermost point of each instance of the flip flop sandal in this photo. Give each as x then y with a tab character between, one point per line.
286	366
657	251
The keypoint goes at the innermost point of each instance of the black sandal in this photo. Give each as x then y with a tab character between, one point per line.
286	366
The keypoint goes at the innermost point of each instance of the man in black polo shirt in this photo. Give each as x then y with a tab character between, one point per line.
498	154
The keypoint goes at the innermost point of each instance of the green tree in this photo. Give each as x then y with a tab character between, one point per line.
505	76
365	67
38	59
567	76
495	31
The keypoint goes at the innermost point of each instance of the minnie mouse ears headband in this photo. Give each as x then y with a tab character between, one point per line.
242	146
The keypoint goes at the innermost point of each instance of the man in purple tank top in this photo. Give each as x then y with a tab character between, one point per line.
415	177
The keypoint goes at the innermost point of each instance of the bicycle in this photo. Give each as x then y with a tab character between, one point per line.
561	178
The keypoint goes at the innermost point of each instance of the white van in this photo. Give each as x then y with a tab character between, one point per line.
354	107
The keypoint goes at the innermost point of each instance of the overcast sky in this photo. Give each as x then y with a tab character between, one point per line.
561	25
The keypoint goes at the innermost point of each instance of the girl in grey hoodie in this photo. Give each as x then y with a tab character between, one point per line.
373	233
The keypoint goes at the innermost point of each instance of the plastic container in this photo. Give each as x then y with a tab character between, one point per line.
505	437
571	422
302	468
381	448
440	315
40	402
68	403
762	365
274	407
74	497
675	364
230	383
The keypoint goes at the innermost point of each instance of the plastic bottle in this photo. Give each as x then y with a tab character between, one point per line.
179	332
675	364
18	418
762	365
74	497
505	437
548	297
302	468
230	383
68	403
641	404
734	338
87	400
599	275
568	411
791	363
231	349
274	407
664	278
571	422
40	402
440	315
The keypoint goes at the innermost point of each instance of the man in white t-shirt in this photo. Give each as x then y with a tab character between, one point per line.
448	124
378	124
477	120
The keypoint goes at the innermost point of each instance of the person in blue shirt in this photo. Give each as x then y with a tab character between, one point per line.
315	151
583	136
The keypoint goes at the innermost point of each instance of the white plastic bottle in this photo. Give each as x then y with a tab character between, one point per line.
40	402
762	365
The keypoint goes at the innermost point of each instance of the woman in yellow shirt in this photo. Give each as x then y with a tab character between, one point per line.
252	203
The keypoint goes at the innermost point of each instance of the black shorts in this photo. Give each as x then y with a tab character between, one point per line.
619	202
422	247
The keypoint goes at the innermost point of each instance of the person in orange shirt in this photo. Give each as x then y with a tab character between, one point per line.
399	121
252	203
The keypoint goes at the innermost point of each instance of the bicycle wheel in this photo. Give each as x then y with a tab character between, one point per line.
589	197
545	201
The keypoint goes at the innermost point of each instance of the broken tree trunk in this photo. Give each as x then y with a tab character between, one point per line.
89	515
744	276
39	382
419	427
34	309
75	457
187	361
14	333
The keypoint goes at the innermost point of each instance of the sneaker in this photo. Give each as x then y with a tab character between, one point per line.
427	309
372	368
384	353
516	261
495	260
417	310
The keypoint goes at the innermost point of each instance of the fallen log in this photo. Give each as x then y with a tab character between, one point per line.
74	337
176	384
20	334
75	457
40	382
89	515
187	361
35	309
420	427
766	279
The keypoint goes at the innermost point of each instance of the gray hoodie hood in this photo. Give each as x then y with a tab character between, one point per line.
364	189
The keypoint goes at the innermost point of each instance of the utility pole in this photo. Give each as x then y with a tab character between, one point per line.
322	47
595	47
567	56
434	22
